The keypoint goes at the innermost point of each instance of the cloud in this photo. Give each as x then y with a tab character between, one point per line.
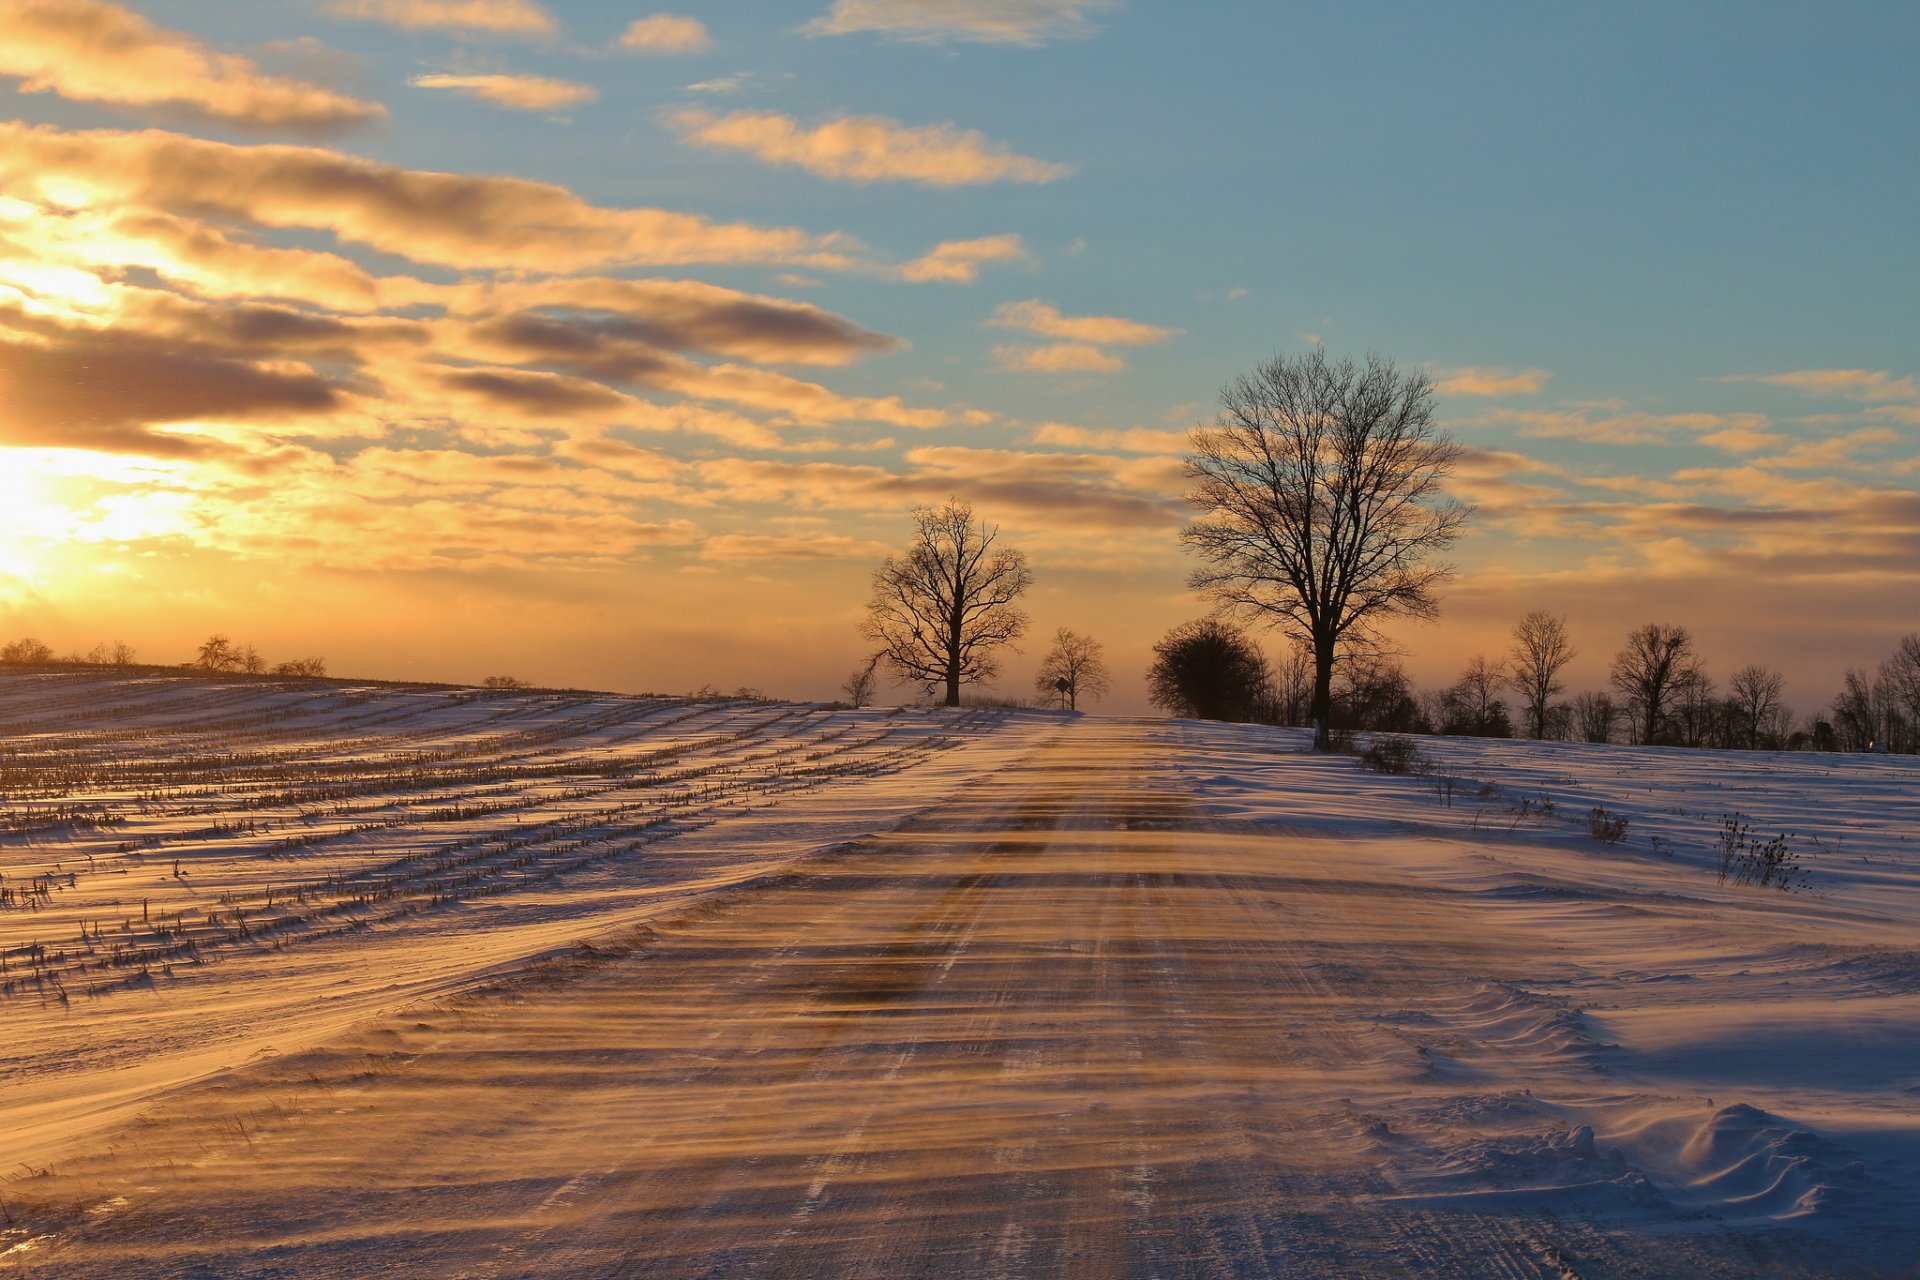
113	390
443	218
1855	384
732	83
95	51
1623	428
474	17
864	149
515	92
1491	382
681	315
959	261
666	33
748	548
1127	440
1044	319
1057	357
1022	22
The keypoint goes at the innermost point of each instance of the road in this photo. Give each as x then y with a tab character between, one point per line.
1059	1024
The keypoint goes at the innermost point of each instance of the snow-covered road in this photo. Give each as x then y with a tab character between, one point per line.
1140	999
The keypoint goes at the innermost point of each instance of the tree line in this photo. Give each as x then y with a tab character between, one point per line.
216	653
1323	514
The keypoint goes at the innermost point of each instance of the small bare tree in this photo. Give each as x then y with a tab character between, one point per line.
1073	669
1321	488
314	666
1594	715
1472	706
1657	662
1540	650
860	686
942	610
1754	695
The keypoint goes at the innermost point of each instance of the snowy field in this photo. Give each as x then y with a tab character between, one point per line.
317	979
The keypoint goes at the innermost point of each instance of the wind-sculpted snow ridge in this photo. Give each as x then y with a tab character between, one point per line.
182	859
930	994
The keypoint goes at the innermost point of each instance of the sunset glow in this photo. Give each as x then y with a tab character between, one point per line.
614	349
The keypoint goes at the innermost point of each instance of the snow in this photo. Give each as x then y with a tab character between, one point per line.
557	984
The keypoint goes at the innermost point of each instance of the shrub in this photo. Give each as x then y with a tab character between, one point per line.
1603	825
1392	753
1745	860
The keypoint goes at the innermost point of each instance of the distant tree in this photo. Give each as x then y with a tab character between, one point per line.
1594	715
1901	672
1293	687
1698	713
1540	651
1207	670
1656	660
217	653
515	682
1374	693
249	660
314	666
860	686
1073	669
1471	708
943	609
27	652
1753	696
1321	487
117	654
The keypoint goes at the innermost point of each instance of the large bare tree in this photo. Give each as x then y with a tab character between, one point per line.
1540	649
1073	669
1321	483
1657	662
943	609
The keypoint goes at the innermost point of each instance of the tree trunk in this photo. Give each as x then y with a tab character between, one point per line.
953	684
1322	709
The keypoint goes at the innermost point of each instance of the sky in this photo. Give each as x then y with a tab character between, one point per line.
608	346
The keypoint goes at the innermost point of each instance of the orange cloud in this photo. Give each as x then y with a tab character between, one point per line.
1057	357
1044	319
514	92
959	261
1022	22
666	33
1129	439
480	17
96	51
1855	384
864	148
427	216
1491	382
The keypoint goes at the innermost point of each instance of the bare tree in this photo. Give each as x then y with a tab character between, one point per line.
250	661
1293	686
27	652
314	666
1754	695
506	682
117	654
1321	487
1073	669
859	686
1540	650
1658	660
217	653
1208	670
1594	715
1471	706
942	610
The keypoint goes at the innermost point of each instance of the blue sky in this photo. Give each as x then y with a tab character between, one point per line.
1659	260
